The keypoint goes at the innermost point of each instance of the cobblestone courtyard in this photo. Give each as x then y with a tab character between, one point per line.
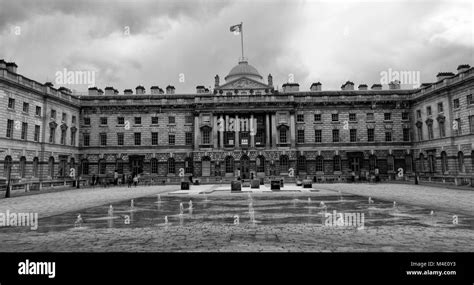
288	221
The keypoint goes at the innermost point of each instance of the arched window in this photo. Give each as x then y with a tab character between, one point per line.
35	167
301	163
22	167
372	162
102	166
171	166
7	166
85	167
319	163
188	165
422	163
229	164
390	163
461	161
51	167
337	163
154	165
431	163
284	162
260	161
444	162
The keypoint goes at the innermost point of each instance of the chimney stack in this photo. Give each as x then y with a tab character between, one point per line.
200	89
270	80
3	64
348	86
170	89
128	92
109	91
155	90
291	87
376	87
443	75
93	91
216	81
11	66
315	86
363	87
394	85
463	67
140	90
65	90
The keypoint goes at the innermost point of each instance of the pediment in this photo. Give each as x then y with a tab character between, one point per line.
244	83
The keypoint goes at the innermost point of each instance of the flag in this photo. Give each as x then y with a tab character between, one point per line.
236	28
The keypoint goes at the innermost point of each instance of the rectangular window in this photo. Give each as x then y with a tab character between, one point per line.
52	135
456	103
388	136
120	139
64	117
469	99
154	120
103	139
335	117
120	120
26	107
37	133
63	137
352	117
86	139
38	111
457	127
53	114
87	121
440	107
300	136
171	120
300	118
405	116
188	119
73	137
138	120
418	114
335	135
283	135
406	135
9	128
189	138
420	133
442	129
387	116
471	126
370	117
154	138
317	136
11	103
430	132
206	136
73	120
371	135
428	110
103	121
171	139
317	117
353	135
24	131
137	138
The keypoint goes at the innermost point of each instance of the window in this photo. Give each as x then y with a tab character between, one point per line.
188	119
335	135
335	117
390	163
408	163
26	107
444	162
406	135
352	117
430	131
11	103
422	163
387	116
260	161
35	167
22	167
457	127
300	118
188	165
440	107
431	163
229	164
456	103
154	165
337	163
461	161
137	138
428	110
317	136
63	137
52	135
353	135
171	120
102	166
154	120
171	139
64	117
103	139
73	120
37	133
442	129
87	121
85	167
419	130
284	163
471	124
371	135
317	117
53	114
51	166
154	138
319	163
372	162
38	111
103	121
24	131
301	163
120	120
283	138
469	99
418	114
119	138
370	116
405	116
138	120
388	136
300	136
188	138
86	138
206	136
73	137
119	166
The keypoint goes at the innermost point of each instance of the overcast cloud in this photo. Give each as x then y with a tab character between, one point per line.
330	42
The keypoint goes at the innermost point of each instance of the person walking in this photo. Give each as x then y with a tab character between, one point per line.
93	180
129	181
135	180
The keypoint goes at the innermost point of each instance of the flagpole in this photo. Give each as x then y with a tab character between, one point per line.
242	38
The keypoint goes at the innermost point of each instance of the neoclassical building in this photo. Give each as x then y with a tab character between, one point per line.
243	126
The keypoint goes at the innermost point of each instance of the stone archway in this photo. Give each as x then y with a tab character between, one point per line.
245	167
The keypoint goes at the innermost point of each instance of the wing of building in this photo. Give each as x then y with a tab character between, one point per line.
243	126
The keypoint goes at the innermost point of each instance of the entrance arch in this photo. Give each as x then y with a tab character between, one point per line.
245	167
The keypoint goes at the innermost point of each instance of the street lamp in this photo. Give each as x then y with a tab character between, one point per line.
9	171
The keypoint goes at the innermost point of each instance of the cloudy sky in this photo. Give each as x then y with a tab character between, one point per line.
129	43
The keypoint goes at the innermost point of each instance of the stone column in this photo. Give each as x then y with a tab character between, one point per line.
221	131
253	131
214	132
267	130
196	132
274	131
292	130
237	131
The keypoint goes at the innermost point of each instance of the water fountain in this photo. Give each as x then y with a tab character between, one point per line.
250	196
322	204
251	213
78	222
111	211
132	204
159	199
166	220
190	208
370	200
394	204
309	200
181	209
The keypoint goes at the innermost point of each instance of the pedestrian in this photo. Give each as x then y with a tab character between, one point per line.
129	181
123	178
115	177
93	180
135	180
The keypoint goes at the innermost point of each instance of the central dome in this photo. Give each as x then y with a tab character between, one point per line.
243	69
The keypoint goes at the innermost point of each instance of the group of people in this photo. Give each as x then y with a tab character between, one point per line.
131	179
